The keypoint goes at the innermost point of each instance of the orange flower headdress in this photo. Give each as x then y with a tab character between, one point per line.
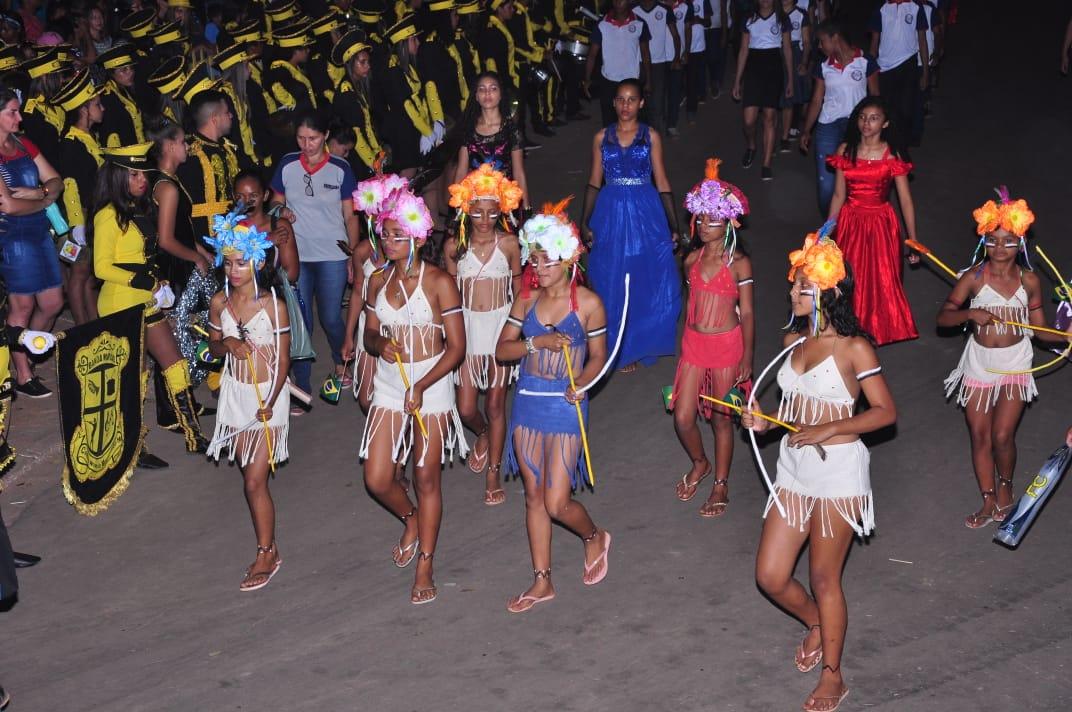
485	183
822	263
1008	214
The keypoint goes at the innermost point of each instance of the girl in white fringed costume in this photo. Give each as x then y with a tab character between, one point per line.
250	327
366	260
993	402
487	264
822	494
414	324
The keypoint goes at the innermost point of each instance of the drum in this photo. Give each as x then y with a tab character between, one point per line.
538	75
576	48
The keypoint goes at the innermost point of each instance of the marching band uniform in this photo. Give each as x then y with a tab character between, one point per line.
122	124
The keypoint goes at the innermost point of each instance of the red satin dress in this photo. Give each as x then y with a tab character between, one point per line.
869	235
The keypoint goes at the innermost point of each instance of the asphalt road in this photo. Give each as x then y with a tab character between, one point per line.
139	608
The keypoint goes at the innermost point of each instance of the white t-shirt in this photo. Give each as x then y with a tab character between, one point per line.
620	45
928	10
661	44
715	9
897	24
765	32
682	13
699	37
845	86
798	20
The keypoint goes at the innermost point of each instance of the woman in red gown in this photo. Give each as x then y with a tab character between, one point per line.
868	231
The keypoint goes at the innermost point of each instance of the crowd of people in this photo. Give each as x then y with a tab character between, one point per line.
237	166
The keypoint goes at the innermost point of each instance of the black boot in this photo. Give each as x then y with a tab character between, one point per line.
183	403
149	461
7	453
165	412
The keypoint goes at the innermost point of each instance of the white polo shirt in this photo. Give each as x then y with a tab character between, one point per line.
765	32
315	195
661	44
845	86
897	24
681	11
620	45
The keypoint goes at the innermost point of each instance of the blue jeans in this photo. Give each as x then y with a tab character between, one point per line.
825	140
325	282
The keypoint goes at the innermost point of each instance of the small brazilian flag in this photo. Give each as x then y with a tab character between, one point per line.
331	389
735	396
204	355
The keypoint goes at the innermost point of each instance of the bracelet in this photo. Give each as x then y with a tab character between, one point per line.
44	189
530	346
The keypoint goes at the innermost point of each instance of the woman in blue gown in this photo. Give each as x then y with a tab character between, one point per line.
632	226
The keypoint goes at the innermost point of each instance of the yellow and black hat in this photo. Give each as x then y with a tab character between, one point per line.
139	24
292	37
441	5
44	63
197	80
279	10
180	3
405	28
77	91
227	58
65	51
369	12
9	58
469	8
167	33
249	31
348	46
328	22
120	55
134	157
496	4
168	77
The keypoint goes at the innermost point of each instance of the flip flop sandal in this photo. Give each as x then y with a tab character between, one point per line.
695	485
603	556
722	505
512	607
268	577
803	659
483	459
491	500
819	703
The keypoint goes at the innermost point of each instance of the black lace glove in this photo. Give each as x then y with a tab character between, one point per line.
671	215
590	194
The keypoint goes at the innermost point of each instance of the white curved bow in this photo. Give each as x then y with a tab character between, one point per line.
752	433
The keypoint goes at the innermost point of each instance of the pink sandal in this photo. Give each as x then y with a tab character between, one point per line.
603	556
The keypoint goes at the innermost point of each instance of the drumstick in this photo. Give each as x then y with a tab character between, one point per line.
926	251
260	404
787	426
580	417
405	382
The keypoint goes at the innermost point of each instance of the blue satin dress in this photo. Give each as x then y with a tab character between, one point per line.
632	236
545	427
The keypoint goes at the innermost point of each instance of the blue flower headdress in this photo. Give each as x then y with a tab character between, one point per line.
233	235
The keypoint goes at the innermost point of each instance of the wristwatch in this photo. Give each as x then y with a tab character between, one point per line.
529	346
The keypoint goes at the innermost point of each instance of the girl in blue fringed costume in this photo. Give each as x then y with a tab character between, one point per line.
556	319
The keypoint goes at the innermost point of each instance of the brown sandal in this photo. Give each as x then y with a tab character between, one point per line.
981	518
712	513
